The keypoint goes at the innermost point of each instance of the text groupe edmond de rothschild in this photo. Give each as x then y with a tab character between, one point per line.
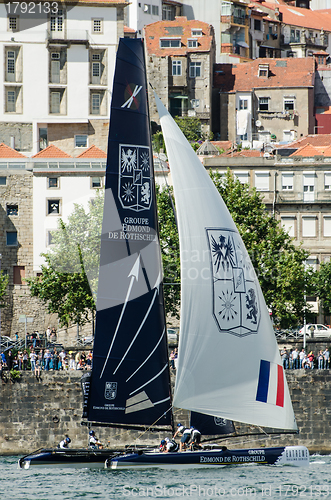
134	228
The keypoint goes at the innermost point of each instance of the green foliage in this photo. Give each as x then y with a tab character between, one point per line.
191	127
15	375
322	285
3	288
158	142
279	264
169	250
69	277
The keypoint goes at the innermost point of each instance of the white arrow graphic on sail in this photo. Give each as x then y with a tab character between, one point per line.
134	276
157	289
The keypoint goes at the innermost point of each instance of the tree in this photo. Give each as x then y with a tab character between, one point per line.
69	278
66	293
169	243
279	264
3	287
322	286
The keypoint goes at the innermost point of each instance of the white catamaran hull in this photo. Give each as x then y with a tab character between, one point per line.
288	455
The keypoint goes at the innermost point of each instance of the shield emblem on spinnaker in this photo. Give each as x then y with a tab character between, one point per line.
236	306
134	189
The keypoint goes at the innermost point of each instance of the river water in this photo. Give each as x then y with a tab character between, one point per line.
233	482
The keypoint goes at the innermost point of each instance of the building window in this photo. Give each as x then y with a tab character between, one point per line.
55	67
257	24
98	65
263	70
288	104
197	32
242	177
263	104
96	182
95	104
287	181
243	103
288	223
195	103
262	181
12	209
174	43
195	69
176	68
192	44
327	226
81	141
309	186
96	73
147	8
97	26
57	102
10	101
11	238
53	207
309	226
155	10
168	12
3	181
12	23
53	182
19	274
57	21
11	63
327	181
43	141
49	238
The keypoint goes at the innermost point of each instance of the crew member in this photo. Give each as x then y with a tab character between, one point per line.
195	439
168	445
94	442
186	436
65	442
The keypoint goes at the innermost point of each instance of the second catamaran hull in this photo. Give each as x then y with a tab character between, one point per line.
288	455
71	458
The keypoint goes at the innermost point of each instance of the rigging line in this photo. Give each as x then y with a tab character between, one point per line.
150	380
149	427
158	343
162	401
138	331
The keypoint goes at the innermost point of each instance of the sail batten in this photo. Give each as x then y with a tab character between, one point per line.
226	334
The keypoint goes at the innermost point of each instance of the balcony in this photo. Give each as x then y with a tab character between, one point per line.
239	20
68	37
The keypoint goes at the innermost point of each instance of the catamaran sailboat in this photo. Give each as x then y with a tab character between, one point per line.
229	366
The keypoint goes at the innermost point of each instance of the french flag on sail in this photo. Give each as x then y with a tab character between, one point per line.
270	388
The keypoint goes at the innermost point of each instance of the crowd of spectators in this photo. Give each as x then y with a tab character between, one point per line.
296	359
37	359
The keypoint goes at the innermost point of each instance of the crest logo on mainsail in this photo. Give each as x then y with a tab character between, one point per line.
135	190
220	421
131	96
110	390
236	305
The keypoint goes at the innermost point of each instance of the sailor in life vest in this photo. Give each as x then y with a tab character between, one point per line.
65	442
94	442
186	436
168	445
195	439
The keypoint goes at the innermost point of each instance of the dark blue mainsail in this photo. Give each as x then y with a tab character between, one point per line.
211	426
130	377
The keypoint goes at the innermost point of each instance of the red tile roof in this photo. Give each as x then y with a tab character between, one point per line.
317	140
127	29
247	153
105	2
286	73
306	18
222	144
307	150
92	152
7	152
51	152
180	28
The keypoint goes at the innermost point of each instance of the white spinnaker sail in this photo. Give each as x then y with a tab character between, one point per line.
229	363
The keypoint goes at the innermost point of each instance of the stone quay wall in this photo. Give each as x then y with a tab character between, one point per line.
36	414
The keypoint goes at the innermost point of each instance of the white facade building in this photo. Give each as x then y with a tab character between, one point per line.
139	14
56	70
